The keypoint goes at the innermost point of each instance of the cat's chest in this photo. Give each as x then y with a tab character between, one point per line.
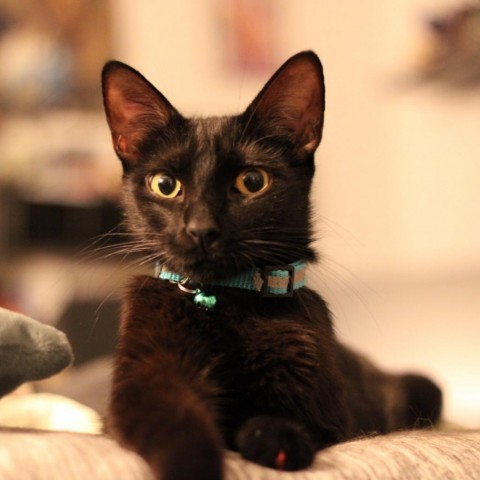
255	337
280	351
271	341
264	352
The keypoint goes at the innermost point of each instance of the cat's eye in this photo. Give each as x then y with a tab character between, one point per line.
252	181
164	185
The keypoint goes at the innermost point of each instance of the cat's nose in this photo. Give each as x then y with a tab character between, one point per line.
203	233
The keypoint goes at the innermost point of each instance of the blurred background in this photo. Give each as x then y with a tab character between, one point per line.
397	191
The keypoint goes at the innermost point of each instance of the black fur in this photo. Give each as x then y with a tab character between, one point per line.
265	376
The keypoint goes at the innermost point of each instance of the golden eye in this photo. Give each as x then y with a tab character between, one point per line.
252	181
164	185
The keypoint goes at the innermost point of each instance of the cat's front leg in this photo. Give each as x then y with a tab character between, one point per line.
157	410
275	442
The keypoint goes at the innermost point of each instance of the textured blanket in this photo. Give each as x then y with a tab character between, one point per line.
423	455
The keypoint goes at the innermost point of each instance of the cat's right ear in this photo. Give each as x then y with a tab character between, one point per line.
292	103
134	109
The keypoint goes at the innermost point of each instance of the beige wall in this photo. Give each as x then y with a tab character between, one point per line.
398	168
398	184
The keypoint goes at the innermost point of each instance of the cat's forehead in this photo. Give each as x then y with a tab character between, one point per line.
211	130
225	140
214	138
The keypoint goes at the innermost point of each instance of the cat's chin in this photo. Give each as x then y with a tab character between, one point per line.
206	270
207	274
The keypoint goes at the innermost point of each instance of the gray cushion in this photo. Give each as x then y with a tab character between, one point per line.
29	350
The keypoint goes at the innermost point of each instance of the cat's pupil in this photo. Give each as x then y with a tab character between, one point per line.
253	181
166	184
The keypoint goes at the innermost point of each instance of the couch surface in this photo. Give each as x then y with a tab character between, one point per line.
424	455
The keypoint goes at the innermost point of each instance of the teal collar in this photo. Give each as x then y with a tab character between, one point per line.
271	281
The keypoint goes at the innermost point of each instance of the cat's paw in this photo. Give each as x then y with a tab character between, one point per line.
200	462
193	452
276	443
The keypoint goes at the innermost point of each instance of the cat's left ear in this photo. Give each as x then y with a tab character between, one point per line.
292	103
134	108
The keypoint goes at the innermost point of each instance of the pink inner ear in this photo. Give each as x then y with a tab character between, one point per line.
123	116
309	127
293	101
119	115
311	143
134	109
121	145
123	111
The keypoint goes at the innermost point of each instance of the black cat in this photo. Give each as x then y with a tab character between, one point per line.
225	346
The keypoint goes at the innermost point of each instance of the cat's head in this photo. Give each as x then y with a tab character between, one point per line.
211	197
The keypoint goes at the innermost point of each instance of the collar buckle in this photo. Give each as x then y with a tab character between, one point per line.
278	281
